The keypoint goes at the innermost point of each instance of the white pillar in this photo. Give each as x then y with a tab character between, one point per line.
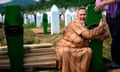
68	17
32	18
1	18
49	17
25	19
73	15
29	17
62	17
38	19
55	22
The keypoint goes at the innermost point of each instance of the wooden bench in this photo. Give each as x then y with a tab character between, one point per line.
40	56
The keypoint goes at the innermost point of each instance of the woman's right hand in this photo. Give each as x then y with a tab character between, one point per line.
101	23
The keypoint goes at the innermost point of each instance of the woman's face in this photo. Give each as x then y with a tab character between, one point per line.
82	14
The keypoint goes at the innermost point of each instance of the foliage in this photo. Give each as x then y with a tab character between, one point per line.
43	4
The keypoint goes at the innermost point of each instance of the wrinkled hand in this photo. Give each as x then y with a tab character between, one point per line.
101	23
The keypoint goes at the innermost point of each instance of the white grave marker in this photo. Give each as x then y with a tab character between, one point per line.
1	18
55	28
38	19
73	15
68	17
25	19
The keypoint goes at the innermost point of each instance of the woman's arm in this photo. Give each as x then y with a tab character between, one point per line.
92	33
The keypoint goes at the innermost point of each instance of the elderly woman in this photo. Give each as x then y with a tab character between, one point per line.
73	51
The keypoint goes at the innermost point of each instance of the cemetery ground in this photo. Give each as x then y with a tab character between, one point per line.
33	35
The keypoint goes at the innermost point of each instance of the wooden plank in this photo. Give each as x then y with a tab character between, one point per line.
45	45
49	64
31	54
33	50
39	30
36	61
41	49
33	58
42	45
36	55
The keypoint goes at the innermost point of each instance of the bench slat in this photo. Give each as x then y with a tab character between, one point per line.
39	56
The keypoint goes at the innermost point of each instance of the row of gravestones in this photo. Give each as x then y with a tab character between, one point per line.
53	18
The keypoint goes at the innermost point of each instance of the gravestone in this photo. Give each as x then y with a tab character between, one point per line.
32	18
62	17
73	15
55	23
29	19
49	17
25	19
45	23
1	18
38	19
92	20
14	37
68	17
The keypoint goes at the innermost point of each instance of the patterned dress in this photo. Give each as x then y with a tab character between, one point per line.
73	52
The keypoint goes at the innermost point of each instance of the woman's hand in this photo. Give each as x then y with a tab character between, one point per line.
101	23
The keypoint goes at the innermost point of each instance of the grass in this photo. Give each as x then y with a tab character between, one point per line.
107	48
62	25
28	34
29	26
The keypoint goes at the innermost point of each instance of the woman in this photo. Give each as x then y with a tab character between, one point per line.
73	51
